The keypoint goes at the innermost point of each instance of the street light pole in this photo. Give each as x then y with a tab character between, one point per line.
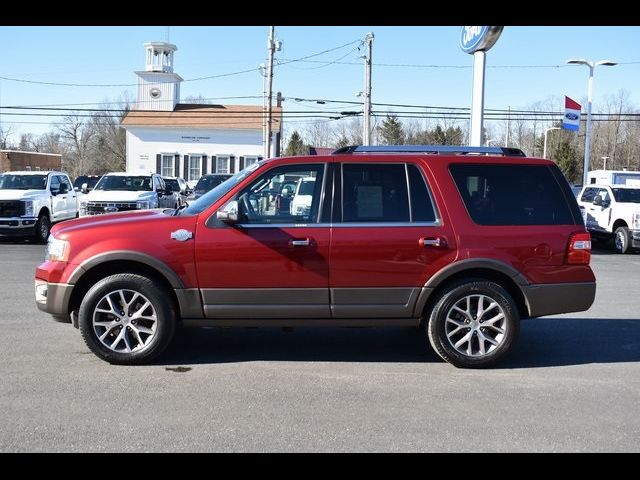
544	150
587	140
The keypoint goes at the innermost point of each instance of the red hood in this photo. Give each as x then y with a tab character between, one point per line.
108	220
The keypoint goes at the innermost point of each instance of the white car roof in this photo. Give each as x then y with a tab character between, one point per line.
128	174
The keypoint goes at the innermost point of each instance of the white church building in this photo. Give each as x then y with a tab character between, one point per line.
188	140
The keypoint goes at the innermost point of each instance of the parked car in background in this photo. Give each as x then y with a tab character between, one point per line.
121	191
206	183
88	180
31	201
180	189
612	212
461	241
303	196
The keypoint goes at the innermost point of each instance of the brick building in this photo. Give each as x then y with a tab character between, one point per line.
14	160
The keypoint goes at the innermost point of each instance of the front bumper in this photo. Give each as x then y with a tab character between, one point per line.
53	298
17	225
552	299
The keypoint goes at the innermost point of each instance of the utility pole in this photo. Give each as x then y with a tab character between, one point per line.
366	137
273	46
279	134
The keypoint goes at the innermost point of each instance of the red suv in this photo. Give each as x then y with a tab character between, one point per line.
463	241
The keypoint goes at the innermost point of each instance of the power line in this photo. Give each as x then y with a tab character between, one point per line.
208	77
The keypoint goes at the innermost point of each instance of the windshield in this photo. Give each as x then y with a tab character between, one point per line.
627	195
208	182
23	182
172	184
121	182
212	196
306	187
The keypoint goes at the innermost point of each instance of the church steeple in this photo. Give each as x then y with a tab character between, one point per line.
158	85
159	56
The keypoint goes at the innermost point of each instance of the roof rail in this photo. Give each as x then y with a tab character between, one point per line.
433	149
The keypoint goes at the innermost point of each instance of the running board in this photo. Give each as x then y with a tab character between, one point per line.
306	322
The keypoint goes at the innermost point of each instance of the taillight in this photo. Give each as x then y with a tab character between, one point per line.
579	250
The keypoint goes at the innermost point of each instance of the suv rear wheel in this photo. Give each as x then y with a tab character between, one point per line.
473	323
125	319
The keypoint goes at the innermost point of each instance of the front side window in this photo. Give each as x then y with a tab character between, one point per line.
284	195
166	167
222	164
512	194
195	167
374	193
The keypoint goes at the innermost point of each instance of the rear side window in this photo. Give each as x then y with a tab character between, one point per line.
512	194
375	193
421	207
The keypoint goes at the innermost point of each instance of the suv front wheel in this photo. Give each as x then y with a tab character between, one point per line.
473	323
125	319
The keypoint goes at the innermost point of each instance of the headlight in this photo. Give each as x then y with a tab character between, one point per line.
28	208
142	205
57	250
635	223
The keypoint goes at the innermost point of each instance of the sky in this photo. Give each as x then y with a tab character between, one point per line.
417	65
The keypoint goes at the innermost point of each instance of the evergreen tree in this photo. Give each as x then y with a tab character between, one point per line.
567	159
391	131
295	146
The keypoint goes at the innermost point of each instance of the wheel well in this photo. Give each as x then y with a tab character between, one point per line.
44	210
619	223
484	273
103	270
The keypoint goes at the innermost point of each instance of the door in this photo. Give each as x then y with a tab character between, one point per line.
272	263
58	200
71	207
388	240
598	210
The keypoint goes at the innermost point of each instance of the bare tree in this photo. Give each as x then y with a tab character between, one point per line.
78	134
5	134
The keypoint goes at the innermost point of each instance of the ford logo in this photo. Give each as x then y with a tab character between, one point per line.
477	38
571	116
110	209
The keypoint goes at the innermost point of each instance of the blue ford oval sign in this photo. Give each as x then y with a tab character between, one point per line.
572	116
473	39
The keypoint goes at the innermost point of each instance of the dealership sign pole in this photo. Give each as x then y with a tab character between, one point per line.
476	41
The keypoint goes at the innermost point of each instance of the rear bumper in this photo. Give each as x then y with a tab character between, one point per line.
552	299
53	298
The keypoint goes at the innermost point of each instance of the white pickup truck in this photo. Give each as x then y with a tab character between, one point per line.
612	211
121	191
31	201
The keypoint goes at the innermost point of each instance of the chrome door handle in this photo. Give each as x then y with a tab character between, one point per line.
300	243
437	242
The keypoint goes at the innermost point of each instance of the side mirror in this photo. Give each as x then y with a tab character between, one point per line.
230	213
85	188
597	200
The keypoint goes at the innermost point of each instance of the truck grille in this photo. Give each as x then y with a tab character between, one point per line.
11	208
98	208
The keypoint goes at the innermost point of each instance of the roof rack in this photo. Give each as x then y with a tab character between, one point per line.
433	149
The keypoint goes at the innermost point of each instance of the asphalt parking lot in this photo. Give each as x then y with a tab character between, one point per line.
572	384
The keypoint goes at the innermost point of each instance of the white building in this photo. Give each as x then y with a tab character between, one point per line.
188	140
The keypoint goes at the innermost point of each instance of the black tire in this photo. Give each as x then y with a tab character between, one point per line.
621	240
442	333
145	349
42	229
